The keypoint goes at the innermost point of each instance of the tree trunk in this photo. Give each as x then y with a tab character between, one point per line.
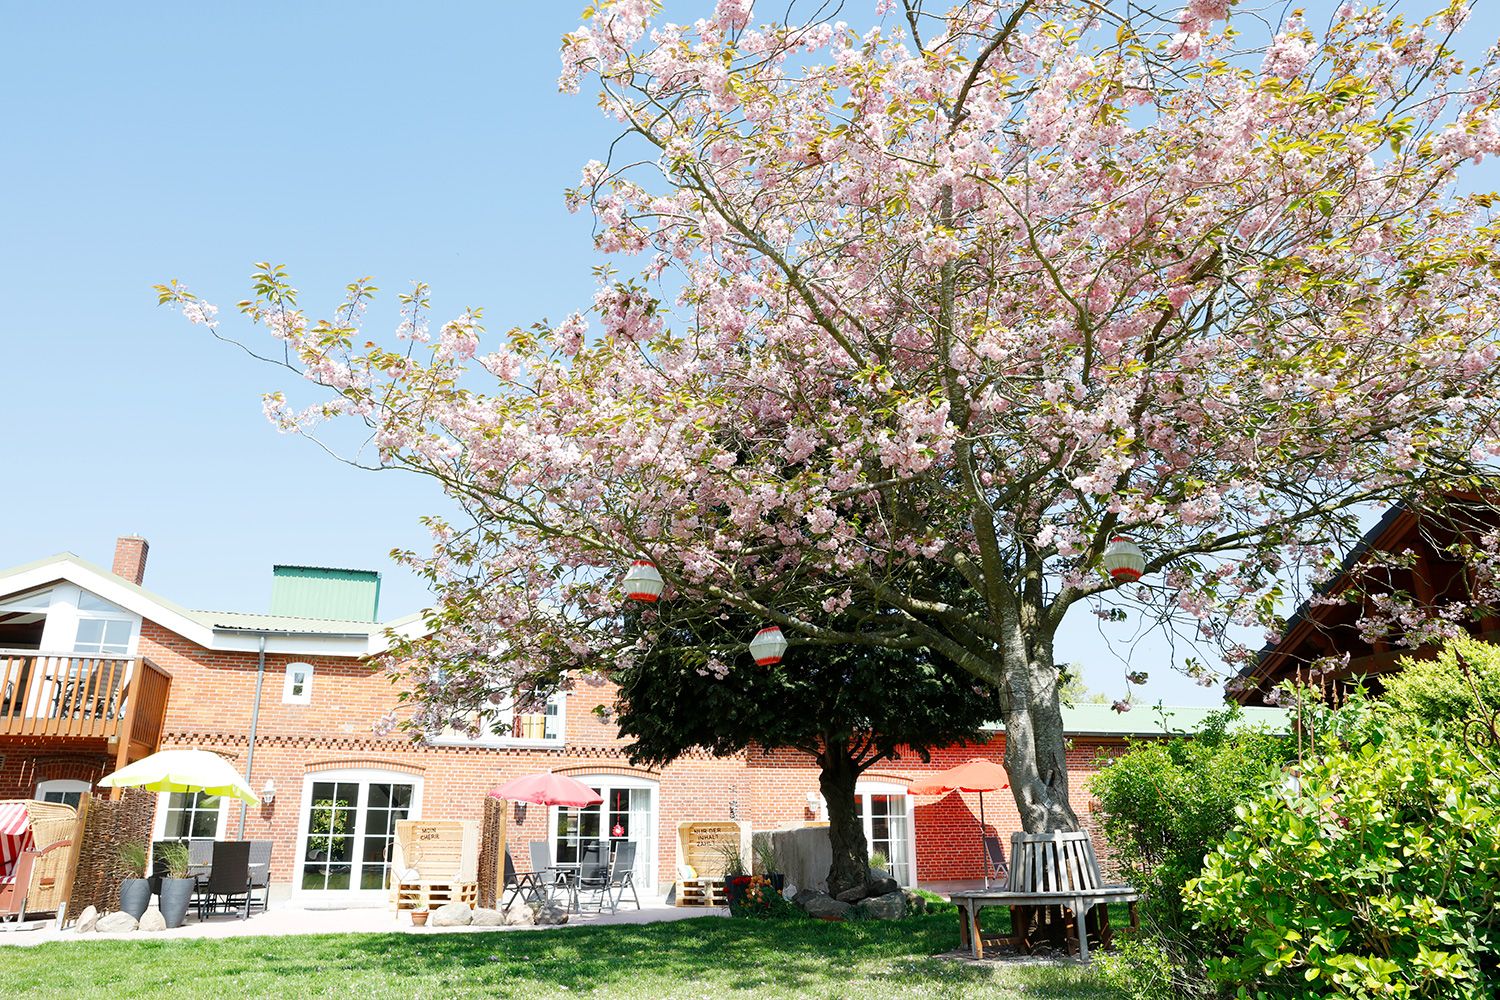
1036	756
846	834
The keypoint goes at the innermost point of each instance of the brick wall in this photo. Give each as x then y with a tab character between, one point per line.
213	695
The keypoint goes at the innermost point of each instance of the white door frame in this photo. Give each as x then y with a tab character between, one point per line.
364	777
863	790
608	781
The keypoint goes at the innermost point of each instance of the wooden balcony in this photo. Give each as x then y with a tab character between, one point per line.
112	704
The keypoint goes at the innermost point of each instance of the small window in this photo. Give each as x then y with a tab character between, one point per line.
67	791
298	689
103	636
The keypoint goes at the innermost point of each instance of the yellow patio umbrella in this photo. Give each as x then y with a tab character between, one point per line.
183	771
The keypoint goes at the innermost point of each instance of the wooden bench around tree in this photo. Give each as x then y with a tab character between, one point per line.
1054	883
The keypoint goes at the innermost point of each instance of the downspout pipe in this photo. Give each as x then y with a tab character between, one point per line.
260	683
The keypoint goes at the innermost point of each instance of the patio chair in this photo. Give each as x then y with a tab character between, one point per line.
547	875
994	858
260	871
200	855
229	879
609	882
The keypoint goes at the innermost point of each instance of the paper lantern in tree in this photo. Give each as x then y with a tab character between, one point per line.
643	582
1123	559
767	646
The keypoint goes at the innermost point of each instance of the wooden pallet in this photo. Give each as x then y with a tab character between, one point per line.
429	895
701	892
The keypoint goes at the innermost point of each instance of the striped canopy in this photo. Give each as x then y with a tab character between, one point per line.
15	836
183	771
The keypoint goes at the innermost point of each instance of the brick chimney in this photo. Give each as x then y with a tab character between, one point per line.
130	558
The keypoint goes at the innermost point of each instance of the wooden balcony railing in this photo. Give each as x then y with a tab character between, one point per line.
67	696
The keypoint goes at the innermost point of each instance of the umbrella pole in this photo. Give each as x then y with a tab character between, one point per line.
984	855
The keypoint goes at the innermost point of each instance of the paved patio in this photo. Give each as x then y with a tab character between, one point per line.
288	918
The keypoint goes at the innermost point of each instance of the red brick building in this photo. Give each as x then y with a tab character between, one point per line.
96	670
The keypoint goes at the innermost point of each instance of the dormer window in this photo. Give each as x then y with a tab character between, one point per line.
298	687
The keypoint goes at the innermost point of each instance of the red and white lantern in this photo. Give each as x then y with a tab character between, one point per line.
767	646
643	582
1124	560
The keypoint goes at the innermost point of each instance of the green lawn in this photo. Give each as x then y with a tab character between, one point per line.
705	957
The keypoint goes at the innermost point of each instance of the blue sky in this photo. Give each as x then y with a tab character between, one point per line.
147	142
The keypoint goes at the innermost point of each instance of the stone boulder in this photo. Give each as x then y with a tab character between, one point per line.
891	906
87	919
881	886
484	917
152	920
825	907
451	915
112	923
915	903
789	891
854	895
807	895
551	913
519	915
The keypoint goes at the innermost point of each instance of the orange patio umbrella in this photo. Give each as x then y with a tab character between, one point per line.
977	775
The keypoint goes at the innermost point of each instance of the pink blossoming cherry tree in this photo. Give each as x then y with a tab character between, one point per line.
926	311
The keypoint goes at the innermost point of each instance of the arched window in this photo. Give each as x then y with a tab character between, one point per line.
298	687
65	790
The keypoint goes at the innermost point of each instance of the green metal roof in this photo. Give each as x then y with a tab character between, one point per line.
1147	720
324	592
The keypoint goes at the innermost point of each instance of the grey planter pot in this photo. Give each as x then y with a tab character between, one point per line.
175	895
135	896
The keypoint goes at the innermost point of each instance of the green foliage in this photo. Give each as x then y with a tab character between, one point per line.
1436	692
761	901
174	856
884	701
1371	873
732	860
879	860
766	862
1167	803
1144	970
133	855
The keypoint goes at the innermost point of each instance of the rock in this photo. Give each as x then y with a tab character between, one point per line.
881	886
915	903
891	906
825	907
807	895
519	915
853	895
451	915
118	921
789	891
551	913
87	919
483	917
152	920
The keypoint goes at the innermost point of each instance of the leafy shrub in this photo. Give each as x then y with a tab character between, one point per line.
1373	872
1167	803
761	900
1436	693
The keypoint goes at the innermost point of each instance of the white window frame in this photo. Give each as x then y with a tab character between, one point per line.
863	790
363	776
63	785
607	782
509	739
159	825
288	697
60	630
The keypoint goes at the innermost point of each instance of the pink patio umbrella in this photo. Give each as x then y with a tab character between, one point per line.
548	789
977	775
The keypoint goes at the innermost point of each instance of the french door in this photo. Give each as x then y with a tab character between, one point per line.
628	814
347	829
885	811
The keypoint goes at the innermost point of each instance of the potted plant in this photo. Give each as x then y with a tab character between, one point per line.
135	891
176	887
736	874
419	918
768	863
